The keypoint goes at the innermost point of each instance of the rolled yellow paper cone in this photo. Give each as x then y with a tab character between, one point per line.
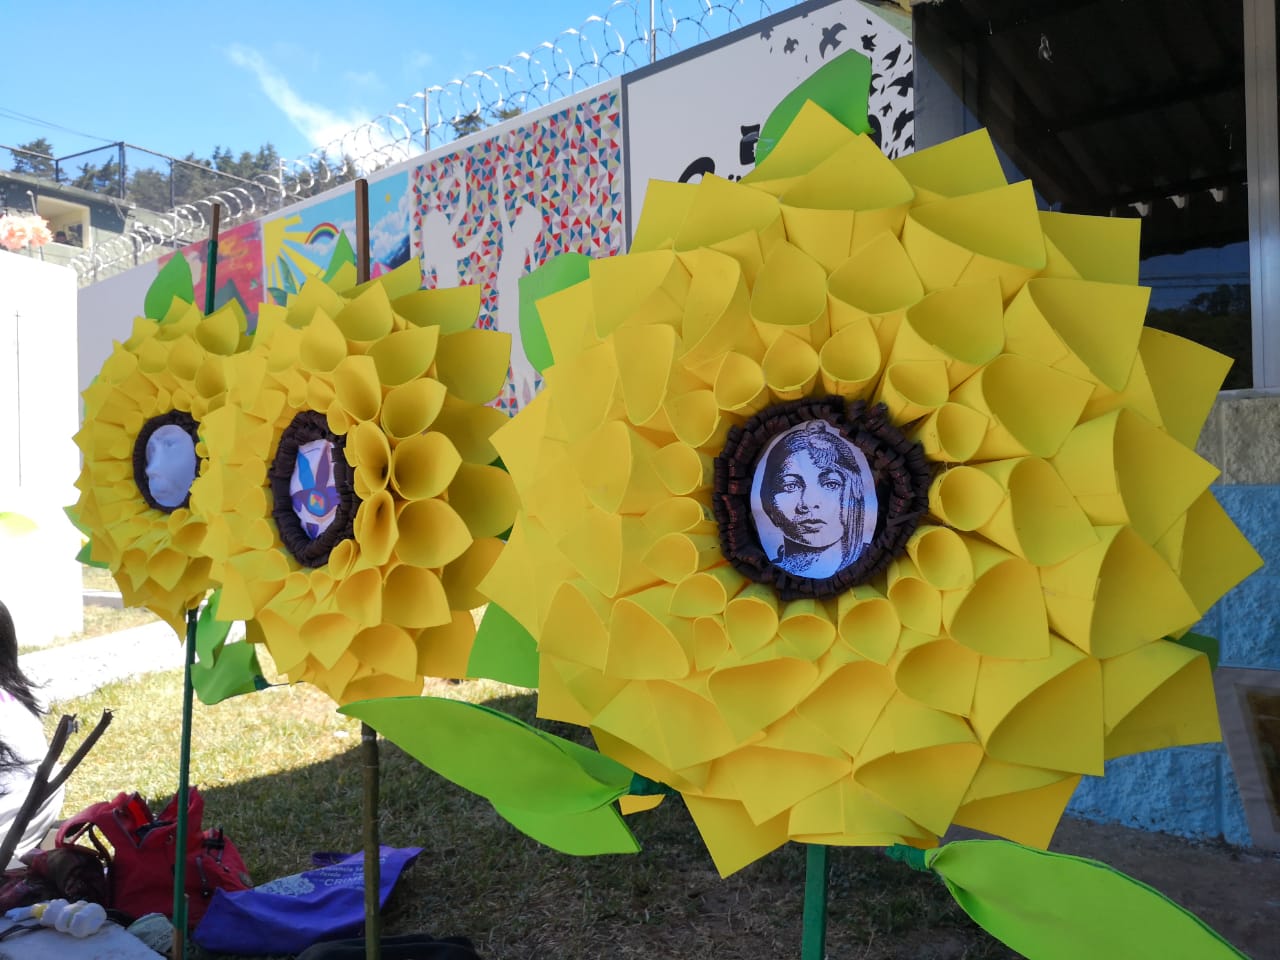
1018	428
1002	614
424	465
1215	555
375	527
752	619
481	495
790	367
355	381
1123	469
965	497
913	388
1185	377
644	644
952	433
1044	712
617	466
322	346
751	697
412	407
740	385
405	355
1038	518
850	361
368	317
1157	696
953	168
941	556
868	623
941	673
1116	596
791	292
805	629
644	356
963	326
825	235
414	597
431	533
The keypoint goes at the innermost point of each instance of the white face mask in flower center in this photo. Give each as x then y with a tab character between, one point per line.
171	465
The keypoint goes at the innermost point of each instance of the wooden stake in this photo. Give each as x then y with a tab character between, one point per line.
369	736
184	754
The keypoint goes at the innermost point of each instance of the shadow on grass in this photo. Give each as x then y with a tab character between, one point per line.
479	877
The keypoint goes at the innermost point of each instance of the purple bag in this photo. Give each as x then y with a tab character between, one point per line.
292	913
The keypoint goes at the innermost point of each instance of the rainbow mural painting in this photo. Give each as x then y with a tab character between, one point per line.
300	242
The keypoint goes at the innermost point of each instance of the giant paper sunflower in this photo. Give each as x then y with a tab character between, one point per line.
1031	526
141	450
352	504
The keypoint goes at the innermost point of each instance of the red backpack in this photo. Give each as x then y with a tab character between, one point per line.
138	851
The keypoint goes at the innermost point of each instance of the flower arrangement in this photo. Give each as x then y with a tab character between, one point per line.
23	230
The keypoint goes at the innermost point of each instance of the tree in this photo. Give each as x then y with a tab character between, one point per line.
34	158
506	112
468	123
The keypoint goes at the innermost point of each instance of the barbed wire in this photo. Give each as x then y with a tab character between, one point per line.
629	34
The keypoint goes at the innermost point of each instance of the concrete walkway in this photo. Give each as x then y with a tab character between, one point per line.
75	669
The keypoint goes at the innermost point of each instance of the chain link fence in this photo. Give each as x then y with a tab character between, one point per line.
629	34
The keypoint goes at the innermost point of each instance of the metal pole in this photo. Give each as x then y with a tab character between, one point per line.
120	172
17	395
653	33
813	937
426	119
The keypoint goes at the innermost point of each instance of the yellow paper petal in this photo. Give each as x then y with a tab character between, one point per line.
1215	554
751	697
1045	712
1000	390
730	835
869	624
1160	695
403	356
355	381
1100	248
424	465
412	407
1122	469
473	364
484	498
414	597
431	533
961	165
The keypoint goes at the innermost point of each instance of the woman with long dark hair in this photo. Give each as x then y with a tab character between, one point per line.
22	743
818	495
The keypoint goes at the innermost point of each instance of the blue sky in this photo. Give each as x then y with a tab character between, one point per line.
179	77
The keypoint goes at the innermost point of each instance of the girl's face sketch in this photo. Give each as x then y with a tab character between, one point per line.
809	500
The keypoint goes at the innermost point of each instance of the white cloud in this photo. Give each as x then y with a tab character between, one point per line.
319	124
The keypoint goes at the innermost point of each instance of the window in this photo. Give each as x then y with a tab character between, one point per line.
1132	108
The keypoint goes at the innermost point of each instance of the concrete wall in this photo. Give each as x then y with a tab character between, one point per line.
1194	791
39	415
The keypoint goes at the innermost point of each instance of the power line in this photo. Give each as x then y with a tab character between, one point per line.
36	121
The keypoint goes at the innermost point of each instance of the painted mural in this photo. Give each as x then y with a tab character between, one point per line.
301	242
239	275
490	212
700	112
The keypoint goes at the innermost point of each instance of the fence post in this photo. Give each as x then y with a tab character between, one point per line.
653	33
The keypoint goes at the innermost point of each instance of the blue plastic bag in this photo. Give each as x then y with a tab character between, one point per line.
292	913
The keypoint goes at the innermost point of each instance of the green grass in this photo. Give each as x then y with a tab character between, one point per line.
281	774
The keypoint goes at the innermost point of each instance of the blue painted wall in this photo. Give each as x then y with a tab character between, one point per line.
1191	791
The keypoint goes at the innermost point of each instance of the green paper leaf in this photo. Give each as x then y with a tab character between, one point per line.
553	276
173	280
85	556
1209	646
15	524
839	87
222	670
508	762
588	834
1050	906
342	255
503	650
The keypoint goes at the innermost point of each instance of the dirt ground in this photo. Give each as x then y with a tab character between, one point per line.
1235	892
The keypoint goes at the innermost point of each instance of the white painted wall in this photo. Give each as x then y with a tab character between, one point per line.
39	462
106	311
